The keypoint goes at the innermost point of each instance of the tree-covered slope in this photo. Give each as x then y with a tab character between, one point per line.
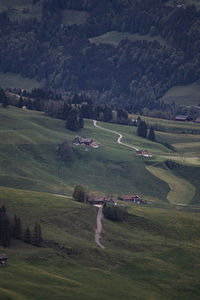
135	73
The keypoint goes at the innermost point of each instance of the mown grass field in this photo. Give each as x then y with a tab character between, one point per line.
115	37
183	95
153	254
11	80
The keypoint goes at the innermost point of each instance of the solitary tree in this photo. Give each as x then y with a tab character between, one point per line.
79	193
64	151
75	120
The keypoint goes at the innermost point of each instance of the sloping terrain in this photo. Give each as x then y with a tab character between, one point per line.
154	253
127	53
28	158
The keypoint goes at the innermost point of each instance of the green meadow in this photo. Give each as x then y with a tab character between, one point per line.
183	95
152	254
115	37
12	80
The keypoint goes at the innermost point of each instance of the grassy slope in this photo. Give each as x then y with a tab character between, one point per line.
28	158
183	95
115	37
29	161
152	256
13	80
179	188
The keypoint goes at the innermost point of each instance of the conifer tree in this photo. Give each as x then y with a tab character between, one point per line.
16	228
142	129
20	102
3	98
37	235
27	236
5	233
151	135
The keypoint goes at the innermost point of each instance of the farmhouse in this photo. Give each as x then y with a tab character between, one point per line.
133	198
182	118
3	259
143	153
86	142
100	200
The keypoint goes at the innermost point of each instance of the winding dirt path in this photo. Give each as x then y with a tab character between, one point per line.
115	132
99	226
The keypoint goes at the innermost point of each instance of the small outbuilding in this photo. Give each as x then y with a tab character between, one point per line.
3	259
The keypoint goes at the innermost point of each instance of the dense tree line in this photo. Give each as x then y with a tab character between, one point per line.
11	228
144	130
134	73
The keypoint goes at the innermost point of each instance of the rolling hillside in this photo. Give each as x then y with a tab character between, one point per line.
152	254
28	158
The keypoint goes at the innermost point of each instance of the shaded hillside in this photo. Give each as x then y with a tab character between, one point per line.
135	73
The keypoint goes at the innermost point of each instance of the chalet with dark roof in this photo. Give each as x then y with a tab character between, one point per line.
100	200
182	118
132	198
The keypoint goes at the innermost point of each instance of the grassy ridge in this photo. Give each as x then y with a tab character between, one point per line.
152	255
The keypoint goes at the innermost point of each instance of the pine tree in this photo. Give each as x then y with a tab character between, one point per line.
16	228
27	236
142	129
151	135
3	98
37	235
20	102
5	232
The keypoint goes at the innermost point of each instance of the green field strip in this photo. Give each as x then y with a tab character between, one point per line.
181	191
188	161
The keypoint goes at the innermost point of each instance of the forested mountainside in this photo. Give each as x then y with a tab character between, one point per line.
133	72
